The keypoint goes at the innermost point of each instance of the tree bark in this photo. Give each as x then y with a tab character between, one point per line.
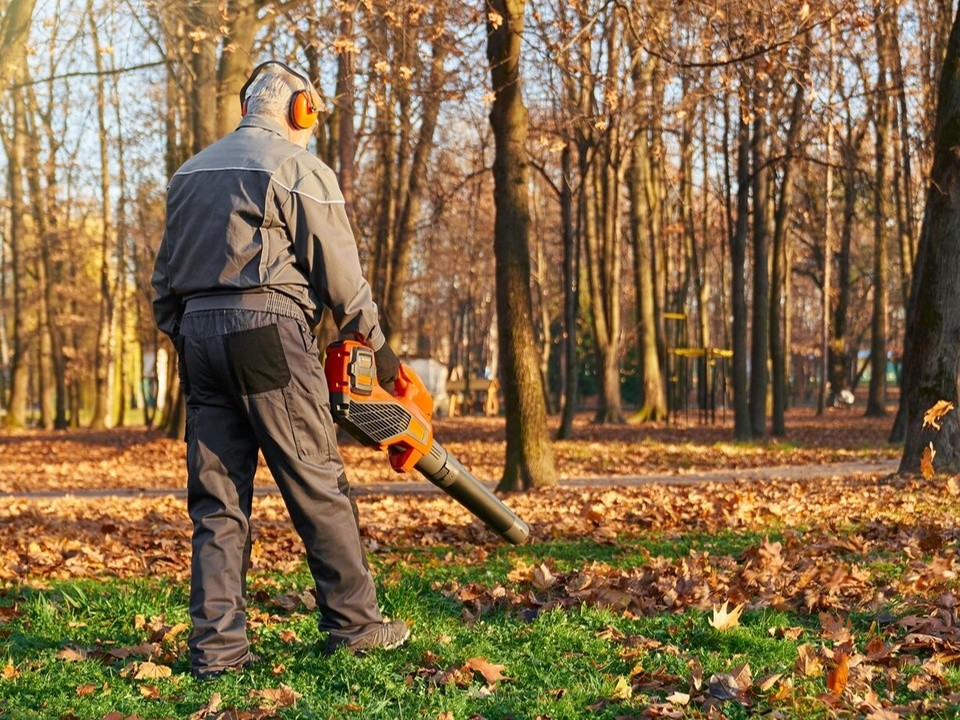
877	395
529	456
738	261
760	330
16	416
571	293
827	286
102	356
934	332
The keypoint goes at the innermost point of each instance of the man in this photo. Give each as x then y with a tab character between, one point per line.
256	243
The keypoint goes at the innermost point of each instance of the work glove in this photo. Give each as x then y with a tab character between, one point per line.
388	365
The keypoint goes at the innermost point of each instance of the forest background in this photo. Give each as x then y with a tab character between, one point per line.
723	208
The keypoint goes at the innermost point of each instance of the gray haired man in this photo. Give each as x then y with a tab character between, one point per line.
256	244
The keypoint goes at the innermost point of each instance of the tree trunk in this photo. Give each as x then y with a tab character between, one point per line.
827	287
43	218
934	332
877	397
203	15
345	111
16	416
654	406
738	261
529	456
102	356
779	295
571	294
760	331
243	23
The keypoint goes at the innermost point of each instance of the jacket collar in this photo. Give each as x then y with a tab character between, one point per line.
264	123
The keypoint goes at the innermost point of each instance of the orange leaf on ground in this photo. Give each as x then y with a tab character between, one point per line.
490	672
837	677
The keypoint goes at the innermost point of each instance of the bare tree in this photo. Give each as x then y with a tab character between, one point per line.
529	460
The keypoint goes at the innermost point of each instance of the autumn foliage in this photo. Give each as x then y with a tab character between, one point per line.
854	575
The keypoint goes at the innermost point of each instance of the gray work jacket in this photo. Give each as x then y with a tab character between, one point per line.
255	212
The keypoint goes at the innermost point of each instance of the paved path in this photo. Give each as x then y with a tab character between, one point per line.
777	472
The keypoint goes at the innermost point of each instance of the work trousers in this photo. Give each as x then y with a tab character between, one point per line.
254	381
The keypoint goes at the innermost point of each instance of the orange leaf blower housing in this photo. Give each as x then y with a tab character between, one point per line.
400	424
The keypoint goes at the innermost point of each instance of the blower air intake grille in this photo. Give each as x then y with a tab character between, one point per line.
379	421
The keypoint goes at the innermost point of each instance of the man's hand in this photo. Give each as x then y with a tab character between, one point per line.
388	364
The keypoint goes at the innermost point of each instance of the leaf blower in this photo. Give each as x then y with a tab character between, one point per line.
400	424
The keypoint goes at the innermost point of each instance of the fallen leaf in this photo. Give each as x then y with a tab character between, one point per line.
837	676
212	706
9	672
151	671
282	697
678	698
768	682
491	673
72	654
622	690
926	461
808	663
150	692
84	690
722	619
543	579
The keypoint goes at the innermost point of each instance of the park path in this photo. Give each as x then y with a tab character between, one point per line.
786	473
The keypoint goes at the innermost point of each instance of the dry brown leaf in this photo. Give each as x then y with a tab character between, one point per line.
835	629
926	462
768	682
808	663
933	416
543	579
282	697
208	710
678	698
491	673
9	672
151	671
72	654
150	692
84	690
722	619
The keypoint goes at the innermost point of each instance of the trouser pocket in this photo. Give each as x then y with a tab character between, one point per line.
256	360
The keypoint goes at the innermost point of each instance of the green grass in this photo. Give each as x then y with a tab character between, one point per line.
561	664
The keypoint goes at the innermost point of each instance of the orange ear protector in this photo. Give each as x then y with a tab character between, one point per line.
302	112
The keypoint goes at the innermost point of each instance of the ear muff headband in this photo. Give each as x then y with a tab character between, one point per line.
302	112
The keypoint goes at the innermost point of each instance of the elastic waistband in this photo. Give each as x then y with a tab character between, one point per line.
261	301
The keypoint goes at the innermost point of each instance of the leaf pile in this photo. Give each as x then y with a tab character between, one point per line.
85	537
137	459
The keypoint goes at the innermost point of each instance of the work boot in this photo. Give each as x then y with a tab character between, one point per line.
213	674
386	636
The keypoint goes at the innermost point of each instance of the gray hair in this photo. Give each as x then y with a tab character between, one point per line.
271	91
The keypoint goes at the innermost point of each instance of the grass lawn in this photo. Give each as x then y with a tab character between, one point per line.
116	648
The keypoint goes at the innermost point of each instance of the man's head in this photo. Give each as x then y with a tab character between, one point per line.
279	92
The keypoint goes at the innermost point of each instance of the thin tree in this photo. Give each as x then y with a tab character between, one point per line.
529	456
